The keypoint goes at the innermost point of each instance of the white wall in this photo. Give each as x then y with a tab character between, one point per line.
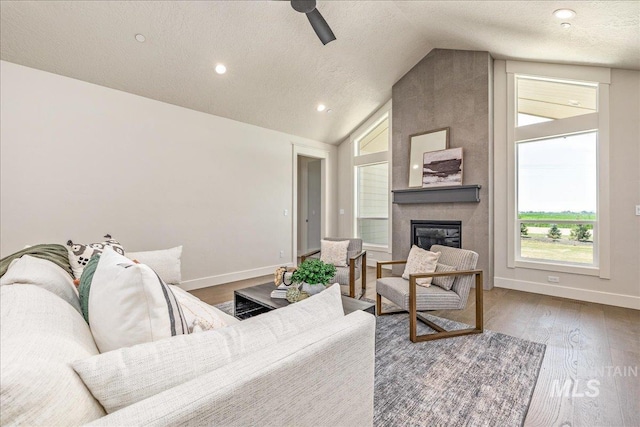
80	160
623	288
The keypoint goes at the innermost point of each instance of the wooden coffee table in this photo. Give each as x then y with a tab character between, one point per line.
249	302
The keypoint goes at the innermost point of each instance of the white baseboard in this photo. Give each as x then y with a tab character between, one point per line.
607	298
205	282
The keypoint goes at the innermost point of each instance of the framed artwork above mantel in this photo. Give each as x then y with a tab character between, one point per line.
420	143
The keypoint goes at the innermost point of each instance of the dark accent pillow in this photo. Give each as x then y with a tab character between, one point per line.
85	284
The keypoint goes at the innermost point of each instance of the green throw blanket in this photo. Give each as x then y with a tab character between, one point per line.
57	254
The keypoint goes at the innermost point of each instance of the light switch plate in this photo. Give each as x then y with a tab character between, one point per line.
638	210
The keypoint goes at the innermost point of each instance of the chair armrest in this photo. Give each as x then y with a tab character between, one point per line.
307	255
359	255
444	273
379	265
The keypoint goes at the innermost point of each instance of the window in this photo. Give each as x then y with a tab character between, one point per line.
557	198
371	173
559	155
373	203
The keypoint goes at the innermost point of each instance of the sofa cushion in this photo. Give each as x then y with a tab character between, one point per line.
128	375
41	335
421	261
199	315
29	270
396	289
165	262
80	254
323	378
129	304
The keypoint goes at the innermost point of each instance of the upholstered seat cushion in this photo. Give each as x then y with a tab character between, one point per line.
396	289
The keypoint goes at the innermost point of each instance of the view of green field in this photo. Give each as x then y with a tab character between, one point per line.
562	250
566	216
536	245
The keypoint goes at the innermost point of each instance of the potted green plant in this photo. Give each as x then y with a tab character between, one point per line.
314	275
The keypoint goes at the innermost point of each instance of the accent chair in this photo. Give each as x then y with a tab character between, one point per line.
413	298
347	276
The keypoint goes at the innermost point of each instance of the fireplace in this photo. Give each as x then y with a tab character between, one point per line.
425	233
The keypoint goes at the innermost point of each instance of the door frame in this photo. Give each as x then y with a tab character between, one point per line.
323	156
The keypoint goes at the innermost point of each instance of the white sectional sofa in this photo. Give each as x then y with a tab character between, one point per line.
304	365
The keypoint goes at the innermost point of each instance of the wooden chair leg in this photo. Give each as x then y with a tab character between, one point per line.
364	273
441	332
479	302
413	318
352	280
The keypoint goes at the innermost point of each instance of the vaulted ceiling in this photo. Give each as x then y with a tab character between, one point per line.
278	70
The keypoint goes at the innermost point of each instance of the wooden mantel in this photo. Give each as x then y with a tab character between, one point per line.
451	194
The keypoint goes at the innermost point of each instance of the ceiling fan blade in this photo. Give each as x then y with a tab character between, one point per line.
320	26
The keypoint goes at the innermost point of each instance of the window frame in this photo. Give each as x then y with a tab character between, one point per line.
598	121
371	159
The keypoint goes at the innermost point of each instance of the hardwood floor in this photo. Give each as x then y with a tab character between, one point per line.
590	375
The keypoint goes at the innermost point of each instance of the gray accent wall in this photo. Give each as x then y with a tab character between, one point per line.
448	88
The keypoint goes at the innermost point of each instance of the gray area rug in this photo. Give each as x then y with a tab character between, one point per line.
475	380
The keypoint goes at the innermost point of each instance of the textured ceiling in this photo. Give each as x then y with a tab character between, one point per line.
278	70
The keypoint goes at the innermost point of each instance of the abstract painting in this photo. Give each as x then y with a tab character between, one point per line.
442	168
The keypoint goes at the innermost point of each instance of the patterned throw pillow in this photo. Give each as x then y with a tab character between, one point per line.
79	254
445	282
421	261
334	252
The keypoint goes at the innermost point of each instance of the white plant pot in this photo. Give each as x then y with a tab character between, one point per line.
312	289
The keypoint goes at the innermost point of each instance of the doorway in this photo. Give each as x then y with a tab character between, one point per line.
309	206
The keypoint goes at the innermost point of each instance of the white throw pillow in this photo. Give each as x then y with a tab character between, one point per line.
165	262
128	375
199	315
28	270
334	252
129	304
41	336
421	261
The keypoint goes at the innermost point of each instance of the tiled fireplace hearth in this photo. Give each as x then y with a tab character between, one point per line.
425	233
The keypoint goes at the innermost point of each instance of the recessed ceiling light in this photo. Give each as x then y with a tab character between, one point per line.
564	13
221	69
141	38
329	111
321	107
565	25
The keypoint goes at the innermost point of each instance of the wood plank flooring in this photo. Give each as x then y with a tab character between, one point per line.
590	373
